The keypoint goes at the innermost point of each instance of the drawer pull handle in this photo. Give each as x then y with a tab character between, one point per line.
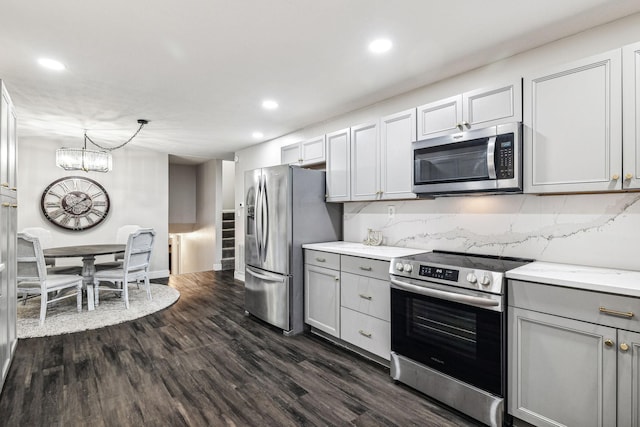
605	310
6	205
365	334
366	268
5	184
320	259
367	297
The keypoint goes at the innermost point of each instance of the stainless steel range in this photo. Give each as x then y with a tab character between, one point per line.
448	329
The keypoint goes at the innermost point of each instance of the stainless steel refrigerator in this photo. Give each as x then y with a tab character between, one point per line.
284	209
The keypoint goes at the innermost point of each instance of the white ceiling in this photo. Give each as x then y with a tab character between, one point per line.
198	70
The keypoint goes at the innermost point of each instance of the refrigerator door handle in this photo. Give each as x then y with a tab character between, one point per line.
264	276
265	231
258	217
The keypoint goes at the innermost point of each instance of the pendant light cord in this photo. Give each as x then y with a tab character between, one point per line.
142	122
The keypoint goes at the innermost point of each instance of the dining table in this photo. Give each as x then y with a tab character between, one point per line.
88	253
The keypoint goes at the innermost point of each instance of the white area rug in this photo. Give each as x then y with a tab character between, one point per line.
63	317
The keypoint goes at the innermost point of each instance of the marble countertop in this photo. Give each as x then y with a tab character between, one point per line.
623	282
383	253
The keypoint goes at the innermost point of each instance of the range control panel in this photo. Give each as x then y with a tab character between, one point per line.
438	273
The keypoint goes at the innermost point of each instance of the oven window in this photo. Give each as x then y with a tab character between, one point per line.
459	340
463	161
445	327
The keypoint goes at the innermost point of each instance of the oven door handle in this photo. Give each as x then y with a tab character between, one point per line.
448	296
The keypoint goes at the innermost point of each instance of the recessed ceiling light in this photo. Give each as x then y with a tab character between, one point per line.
380	45
51	64
257	135
269	104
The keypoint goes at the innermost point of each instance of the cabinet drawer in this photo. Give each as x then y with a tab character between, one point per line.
365	267
366	295
366	332
576	304
322	259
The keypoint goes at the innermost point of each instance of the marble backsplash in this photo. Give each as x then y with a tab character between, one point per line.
600	230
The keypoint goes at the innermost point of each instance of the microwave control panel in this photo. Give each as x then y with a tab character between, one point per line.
505	156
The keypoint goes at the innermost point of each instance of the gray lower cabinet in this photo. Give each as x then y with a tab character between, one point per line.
573	357
322	291
348	297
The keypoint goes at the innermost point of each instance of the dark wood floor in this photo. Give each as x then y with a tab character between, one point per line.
202	362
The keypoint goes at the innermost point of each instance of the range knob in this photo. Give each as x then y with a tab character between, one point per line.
408	268
471	278
485	280
399	266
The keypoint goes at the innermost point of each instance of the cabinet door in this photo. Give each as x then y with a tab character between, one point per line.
4	286
12	266
631	118
562	372
338	165
440	118
397	132
573	127
628	378
322	299
492	106
5	103
290	154
312	151
365	169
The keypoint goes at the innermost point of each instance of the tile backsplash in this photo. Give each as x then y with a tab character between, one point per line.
591	229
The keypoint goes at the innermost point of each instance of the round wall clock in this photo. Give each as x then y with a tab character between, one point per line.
75	203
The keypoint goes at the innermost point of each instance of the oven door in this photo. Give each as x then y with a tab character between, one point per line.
452	330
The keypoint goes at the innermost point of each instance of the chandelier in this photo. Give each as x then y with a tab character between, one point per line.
86	159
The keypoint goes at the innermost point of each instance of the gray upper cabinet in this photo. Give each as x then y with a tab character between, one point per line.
365	162
338	166
631	116
304	153
397	132
471	110
573	126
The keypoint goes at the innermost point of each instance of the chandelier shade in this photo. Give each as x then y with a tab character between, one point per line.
73	159
83	159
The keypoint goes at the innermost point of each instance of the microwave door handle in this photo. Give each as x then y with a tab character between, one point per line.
491	157
448	296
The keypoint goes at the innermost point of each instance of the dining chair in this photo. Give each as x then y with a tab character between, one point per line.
46	240
33	279
135	267
122	236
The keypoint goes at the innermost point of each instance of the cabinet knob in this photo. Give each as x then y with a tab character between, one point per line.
624	346
615	177
460	126
337	278
5	184
628	176
608	342
6	205
466	124
14	205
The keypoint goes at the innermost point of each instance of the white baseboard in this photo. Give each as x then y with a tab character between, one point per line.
217	267
239	275
158	274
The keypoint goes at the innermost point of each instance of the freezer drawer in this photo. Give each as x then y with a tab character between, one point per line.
267	297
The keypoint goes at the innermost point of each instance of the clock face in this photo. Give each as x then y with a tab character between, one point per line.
75	203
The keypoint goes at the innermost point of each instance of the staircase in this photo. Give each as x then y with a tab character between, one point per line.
228	239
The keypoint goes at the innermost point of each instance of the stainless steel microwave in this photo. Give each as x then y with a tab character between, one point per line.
487	160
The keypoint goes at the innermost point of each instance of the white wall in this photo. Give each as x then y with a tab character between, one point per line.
596	40
137	188
201	248
228	181
182	194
